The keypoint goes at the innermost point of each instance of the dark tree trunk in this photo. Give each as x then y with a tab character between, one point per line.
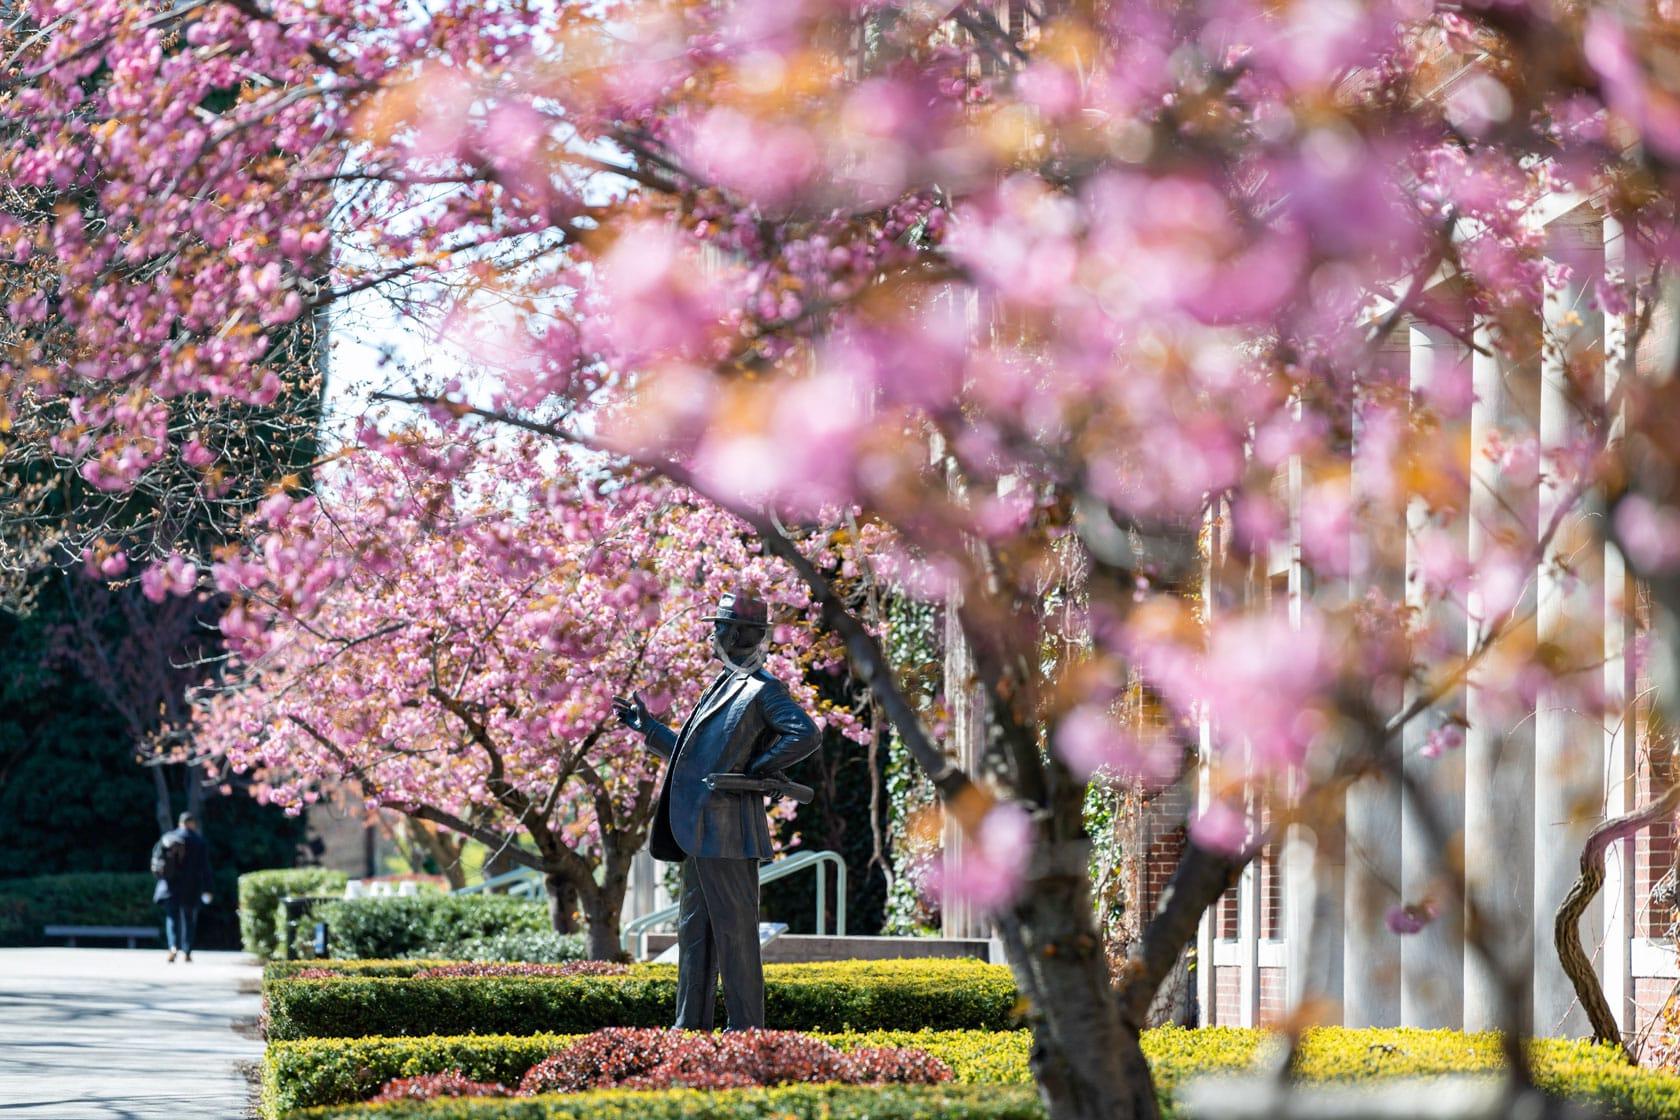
160	803
602	909
562	902
1088	1061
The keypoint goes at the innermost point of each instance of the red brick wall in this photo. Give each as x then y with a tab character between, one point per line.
1165	842
1653	849
1271	892
1272	996
1227	996
1227	925
1649	995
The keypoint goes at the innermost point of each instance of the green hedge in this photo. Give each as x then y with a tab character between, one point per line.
321	1071
432	925
790	1102
81	898
833	996
261	923
338	1071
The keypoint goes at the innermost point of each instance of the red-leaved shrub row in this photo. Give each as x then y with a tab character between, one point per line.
652	1058
495	968
656	1058
449	1083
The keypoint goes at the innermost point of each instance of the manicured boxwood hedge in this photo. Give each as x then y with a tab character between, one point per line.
321	1071
79	898
836	996
261	924
433	925
790	1102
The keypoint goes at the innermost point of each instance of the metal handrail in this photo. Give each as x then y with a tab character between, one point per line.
767	873
526	882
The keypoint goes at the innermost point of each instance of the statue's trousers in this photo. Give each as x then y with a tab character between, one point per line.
717	933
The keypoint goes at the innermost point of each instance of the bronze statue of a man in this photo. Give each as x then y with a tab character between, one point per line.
744	724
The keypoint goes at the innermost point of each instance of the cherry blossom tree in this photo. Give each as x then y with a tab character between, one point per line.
443	628
1089	304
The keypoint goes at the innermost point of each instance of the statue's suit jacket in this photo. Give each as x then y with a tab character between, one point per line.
744	724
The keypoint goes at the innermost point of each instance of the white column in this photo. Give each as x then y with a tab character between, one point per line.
1499	742
1312	853
959	917
1248	944
1431	992
1620	760
1207	934
1371	952
1568	744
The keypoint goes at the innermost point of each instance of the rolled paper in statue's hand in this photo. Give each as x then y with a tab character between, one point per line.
779	786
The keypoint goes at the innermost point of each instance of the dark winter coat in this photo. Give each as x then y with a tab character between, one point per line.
194	877
743	725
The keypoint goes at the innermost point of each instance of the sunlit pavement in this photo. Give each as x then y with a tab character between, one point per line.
90	1034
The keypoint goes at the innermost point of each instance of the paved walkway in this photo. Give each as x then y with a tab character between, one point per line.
111	1034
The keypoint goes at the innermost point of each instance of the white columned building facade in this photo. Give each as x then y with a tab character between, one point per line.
1533	776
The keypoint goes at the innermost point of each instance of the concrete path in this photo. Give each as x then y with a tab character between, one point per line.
111	1034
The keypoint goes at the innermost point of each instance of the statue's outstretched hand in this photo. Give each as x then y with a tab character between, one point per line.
632	713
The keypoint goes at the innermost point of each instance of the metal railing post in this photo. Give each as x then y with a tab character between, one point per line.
636	931
822	898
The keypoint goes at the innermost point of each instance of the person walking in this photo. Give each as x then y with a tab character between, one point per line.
181	864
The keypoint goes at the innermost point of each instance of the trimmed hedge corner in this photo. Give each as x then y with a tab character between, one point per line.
837	996
790	1102
261	924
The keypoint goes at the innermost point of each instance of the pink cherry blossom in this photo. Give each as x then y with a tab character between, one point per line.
1219	827
990	871
1409	919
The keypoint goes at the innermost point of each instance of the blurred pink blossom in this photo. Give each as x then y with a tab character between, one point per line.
1650	533
1447	737
1264	681
103	562
994	862
1409	919
195	454
1327	528
174	575
1089	739
764	161
1220	828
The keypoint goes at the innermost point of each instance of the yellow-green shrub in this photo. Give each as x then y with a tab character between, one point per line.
830	996
332	1071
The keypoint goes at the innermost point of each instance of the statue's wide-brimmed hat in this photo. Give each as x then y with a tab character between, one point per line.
743	607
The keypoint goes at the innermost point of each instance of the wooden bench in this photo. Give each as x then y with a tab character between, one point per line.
132	934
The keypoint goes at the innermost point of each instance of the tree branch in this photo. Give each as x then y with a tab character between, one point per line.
495	841
1566	930
1197	882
